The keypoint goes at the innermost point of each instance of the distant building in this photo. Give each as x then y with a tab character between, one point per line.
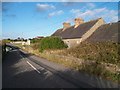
26	43
38	37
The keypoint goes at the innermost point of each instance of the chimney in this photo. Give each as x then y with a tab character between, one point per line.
66	25
78	21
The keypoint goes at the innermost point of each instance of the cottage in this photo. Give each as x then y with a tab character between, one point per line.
106	32
74	35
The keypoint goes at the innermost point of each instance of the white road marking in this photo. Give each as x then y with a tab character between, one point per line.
21	56
33	67
47	72
41	68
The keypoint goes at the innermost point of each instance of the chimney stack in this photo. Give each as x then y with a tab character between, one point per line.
66	25
78	21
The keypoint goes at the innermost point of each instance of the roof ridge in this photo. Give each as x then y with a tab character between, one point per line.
93	20
84	22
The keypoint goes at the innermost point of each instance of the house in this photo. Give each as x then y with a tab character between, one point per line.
38	37
26	42
74	35
21	42
106	32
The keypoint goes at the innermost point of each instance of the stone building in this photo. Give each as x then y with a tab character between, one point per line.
74	35
106	32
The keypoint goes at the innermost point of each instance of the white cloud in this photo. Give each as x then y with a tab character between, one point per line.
87	13
90	5
100	10
55	13
43	7
70	20
74	10
111	15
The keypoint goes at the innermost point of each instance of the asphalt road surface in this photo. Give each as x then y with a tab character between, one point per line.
23	70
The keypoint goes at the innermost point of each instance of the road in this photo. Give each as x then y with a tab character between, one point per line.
23	70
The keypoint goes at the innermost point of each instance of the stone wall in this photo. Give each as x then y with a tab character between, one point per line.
72	42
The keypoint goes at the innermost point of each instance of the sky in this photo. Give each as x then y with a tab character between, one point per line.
31	19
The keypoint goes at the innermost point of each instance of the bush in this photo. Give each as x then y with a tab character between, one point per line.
35	40
35	46
51	43
6	41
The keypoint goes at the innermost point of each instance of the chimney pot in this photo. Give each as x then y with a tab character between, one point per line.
66	25
78	21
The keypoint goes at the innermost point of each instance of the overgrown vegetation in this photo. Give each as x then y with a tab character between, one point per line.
6	41
51	43
100	70
35	40
99	51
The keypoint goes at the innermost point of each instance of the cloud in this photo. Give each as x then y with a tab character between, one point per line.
75	11
68	3
90	5
70	20
100	10
111	15
55	13
44	7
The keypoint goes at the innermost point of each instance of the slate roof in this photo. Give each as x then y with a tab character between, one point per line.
106	32
72	32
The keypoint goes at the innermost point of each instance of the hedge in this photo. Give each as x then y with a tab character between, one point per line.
51	43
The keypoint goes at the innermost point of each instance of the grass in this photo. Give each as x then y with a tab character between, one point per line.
61	60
